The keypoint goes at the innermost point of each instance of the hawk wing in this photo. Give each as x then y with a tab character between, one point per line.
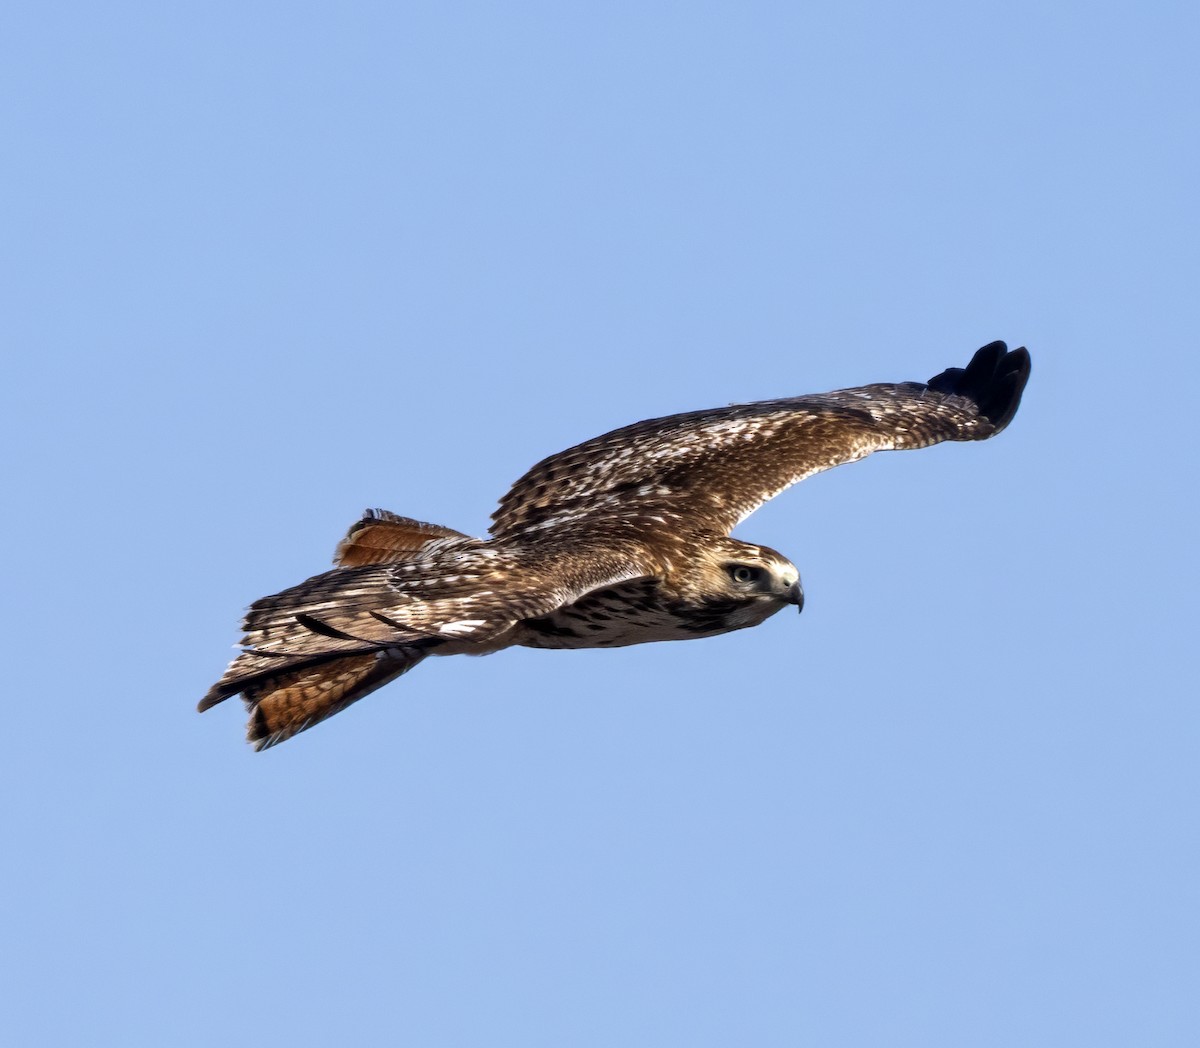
467	592
716	467
312	650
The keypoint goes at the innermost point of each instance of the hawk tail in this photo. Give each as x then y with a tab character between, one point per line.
284	696
297	668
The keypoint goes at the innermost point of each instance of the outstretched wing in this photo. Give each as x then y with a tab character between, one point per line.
717	467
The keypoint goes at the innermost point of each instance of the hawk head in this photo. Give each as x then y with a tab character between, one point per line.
739	583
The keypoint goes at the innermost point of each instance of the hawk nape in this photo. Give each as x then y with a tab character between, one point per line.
621	540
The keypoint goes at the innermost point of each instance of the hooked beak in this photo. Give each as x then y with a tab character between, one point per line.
796	596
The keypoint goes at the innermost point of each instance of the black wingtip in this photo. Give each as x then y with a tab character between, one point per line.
994	379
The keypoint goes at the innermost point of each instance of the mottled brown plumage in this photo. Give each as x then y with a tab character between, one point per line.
623	539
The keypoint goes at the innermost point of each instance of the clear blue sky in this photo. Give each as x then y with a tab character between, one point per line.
267	264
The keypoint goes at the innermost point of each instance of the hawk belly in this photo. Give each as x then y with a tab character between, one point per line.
638	612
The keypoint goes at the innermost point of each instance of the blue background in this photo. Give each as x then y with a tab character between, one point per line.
267	264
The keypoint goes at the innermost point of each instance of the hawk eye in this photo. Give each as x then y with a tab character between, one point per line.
744	573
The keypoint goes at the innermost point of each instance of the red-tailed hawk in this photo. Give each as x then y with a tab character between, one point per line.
620	540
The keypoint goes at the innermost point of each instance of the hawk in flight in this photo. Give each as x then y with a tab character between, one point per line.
620	540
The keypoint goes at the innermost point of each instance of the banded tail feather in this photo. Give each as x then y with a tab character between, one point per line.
296	670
